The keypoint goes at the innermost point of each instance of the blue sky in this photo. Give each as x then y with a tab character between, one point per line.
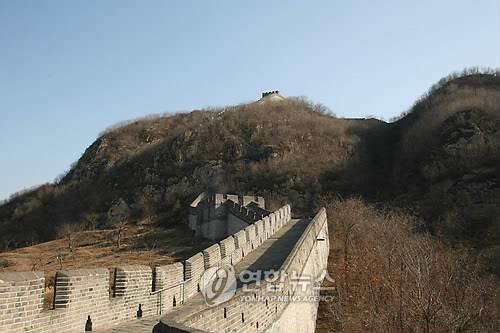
69	69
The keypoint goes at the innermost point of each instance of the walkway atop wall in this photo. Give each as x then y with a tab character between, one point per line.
140	326
269	255
273	252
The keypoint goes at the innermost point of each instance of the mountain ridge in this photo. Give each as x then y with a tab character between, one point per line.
446	147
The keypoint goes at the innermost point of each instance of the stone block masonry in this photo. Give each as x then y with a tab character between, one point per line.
211	256
117	296
251	233
243	243
272	222
78	294
170	279
260	232
216	216
307	258
193	269
267	226
21	295
227	246
169	275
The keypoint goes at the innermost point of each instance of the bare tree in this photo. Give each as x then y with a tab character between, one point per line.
400	280
120	228
69	231
60	258
91	220
37	262
6	243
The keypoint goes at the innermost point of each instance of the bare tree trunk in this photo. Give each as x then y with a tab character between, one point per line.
121	226
346	266
401	297
119	240
60	260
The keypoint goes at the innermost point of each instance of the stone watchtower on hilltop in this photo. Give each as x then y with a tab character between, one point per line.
271	97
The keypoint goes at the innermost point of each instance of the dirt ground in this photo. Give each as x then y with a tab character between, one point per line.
140	245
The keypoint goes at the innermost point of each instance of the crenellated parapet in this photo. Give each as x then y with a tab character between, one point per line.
78	294
267	93
215	216
111	297
270	311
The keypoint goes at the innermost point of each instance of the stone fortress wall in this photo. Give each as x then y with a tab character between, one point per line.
214	215
310	259
307	259
113	297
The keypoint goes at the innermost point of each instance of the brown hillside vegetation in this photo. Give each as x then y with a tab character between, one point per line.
390	278
153	168
440	161
137	245
446	162
99	248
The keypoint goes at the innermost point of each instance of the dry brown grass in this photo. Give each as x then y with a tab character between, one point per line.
140	245
155	163
97	249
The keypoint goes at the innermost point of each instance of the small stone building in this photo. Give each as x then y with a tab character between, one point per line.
271	97
215	215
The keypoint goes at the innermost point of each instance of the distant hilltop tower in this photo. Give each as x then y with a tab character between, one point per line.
271	97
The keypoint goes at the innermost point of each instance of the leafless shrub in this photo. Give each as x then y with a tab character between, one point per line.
6	244
91	220
69	232
125	123
38	263
426	99
60	258
120	228
4	263
420	134
399	280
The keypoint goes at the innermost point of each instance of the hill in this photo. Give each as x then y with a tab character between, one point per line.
152	168
440	160
446	161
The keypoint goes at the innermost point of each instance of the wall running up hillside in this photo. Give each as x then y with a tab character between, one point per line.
84	293
308	258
